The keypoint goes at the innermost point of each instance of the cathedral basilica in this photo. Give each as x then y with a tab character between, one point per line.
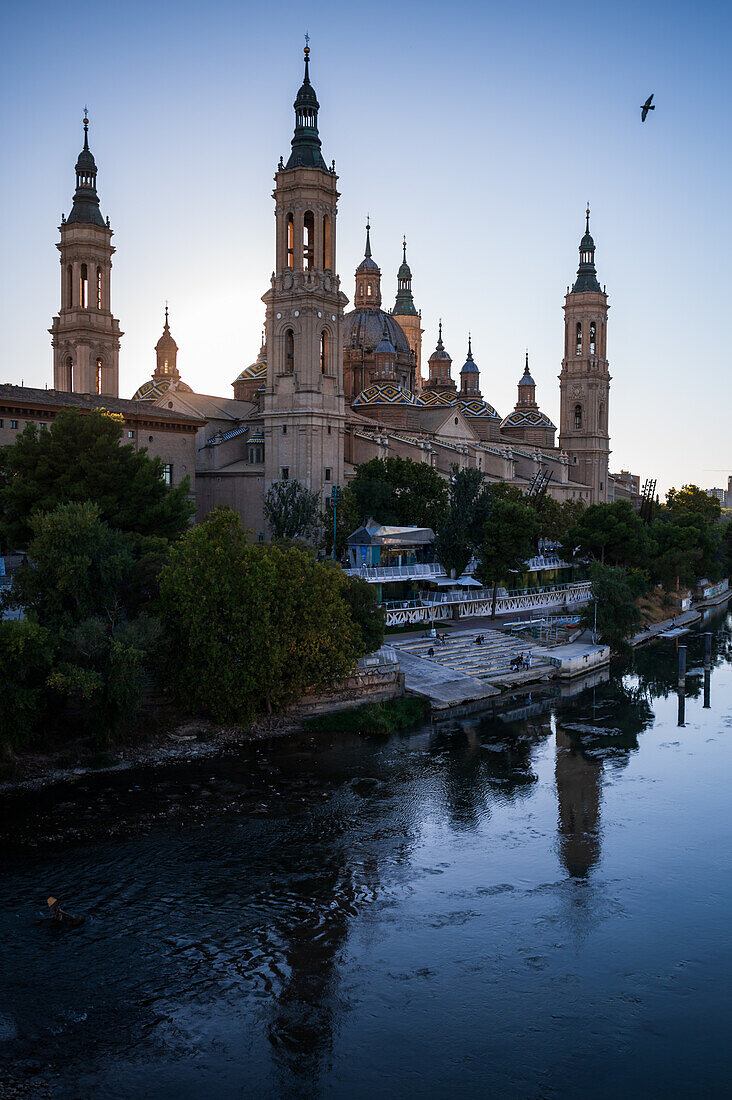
331	387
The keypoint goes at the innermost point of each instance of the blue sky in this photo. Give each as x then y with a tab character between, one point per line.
479	130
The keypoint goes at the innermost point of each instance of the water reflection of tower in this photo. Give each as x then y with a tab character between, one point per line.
578	793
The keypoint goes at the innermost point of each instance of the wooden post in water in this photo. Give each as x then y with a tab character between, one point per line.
682	667
708	650
707	681
682	685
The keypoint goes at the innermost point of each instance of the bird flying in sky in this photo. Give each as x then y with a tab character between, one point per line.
647	106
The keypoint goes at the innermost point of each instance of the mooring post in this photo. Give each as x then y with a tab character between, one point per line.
682	707
682	667
708	650
707	684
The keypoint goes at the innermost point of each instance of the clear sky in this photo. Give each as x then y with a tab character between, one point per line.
480	130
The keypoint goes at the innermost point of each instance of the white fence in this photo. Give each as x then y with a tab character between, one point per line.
398	572
480	601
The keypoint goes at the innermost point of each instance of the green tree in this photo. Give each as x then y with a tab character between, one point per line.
687	547
27	652
690	498
251	627
507	542
366	612
461	532
613	534
617	613
80	458
556	517
400	492
291	510
79	567
727	548
82	583
348	520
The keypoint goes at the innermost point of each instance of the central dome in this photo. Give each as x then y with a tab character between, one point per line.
365	329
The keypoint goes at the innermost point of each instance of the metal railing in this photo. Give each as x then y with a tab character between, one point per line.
397	572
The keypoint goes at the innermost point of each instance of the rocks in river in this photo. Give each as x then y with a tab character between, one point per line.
581	727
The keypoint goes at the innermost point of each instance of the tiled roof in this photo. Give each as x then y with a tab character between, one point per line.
26	397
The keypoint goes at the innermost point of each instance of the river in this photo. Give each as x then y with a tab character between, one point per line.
506	907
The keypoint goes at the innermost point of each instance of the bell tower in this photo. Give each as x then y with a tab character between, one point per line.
585	379
408	316
304	407
84	335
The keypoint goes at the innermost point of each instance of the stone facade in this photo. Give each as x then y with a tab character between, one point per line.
85	335
585	378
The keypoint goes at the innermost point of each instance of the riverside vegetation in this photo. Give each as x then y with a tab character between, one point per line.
119	592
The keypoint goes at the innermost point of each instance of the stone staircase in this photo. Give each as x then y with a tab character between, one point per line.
490	661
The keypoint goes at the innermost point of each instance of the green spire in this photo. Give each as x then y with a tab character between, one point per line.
404	305
86	200
586	272
306	142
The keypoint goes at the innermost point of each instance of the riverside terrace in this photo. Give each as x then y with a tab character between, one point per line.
402	564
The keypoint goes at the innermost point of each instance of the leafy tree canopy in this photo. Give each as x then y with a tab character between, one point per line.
400	492
252	626
613	534
508	537
80	458
79	567
461	532
366	612
690	498
617	613
687	547
348	519
291	510
27	652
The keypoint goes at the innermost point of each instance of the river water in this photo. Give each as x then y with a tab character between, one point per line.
507	907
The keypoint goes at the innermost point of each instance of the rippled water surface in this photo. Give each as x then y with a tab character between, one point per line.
511	907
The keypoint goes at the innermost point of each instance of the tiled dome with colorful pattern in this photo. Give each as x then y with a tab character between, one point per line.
527	418
152	390
475	406
384	393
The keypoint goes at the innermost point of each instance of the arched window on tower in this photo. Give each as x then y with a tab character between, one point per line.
99	288
84	288
69	287
369	290
578	418
326	242
324	352
308	240
578	350
593	332
289	351
99	375
290	241
69	375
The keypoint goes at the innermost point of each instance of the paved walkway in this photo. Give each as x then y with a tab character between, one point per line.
683	620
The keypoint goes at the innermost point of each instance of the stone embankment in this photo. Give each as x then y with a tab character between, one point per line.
457	669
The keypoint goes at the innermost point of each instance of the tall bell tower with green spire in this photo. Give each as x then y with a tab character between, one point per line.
584	382
84	335
304	406
409	318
